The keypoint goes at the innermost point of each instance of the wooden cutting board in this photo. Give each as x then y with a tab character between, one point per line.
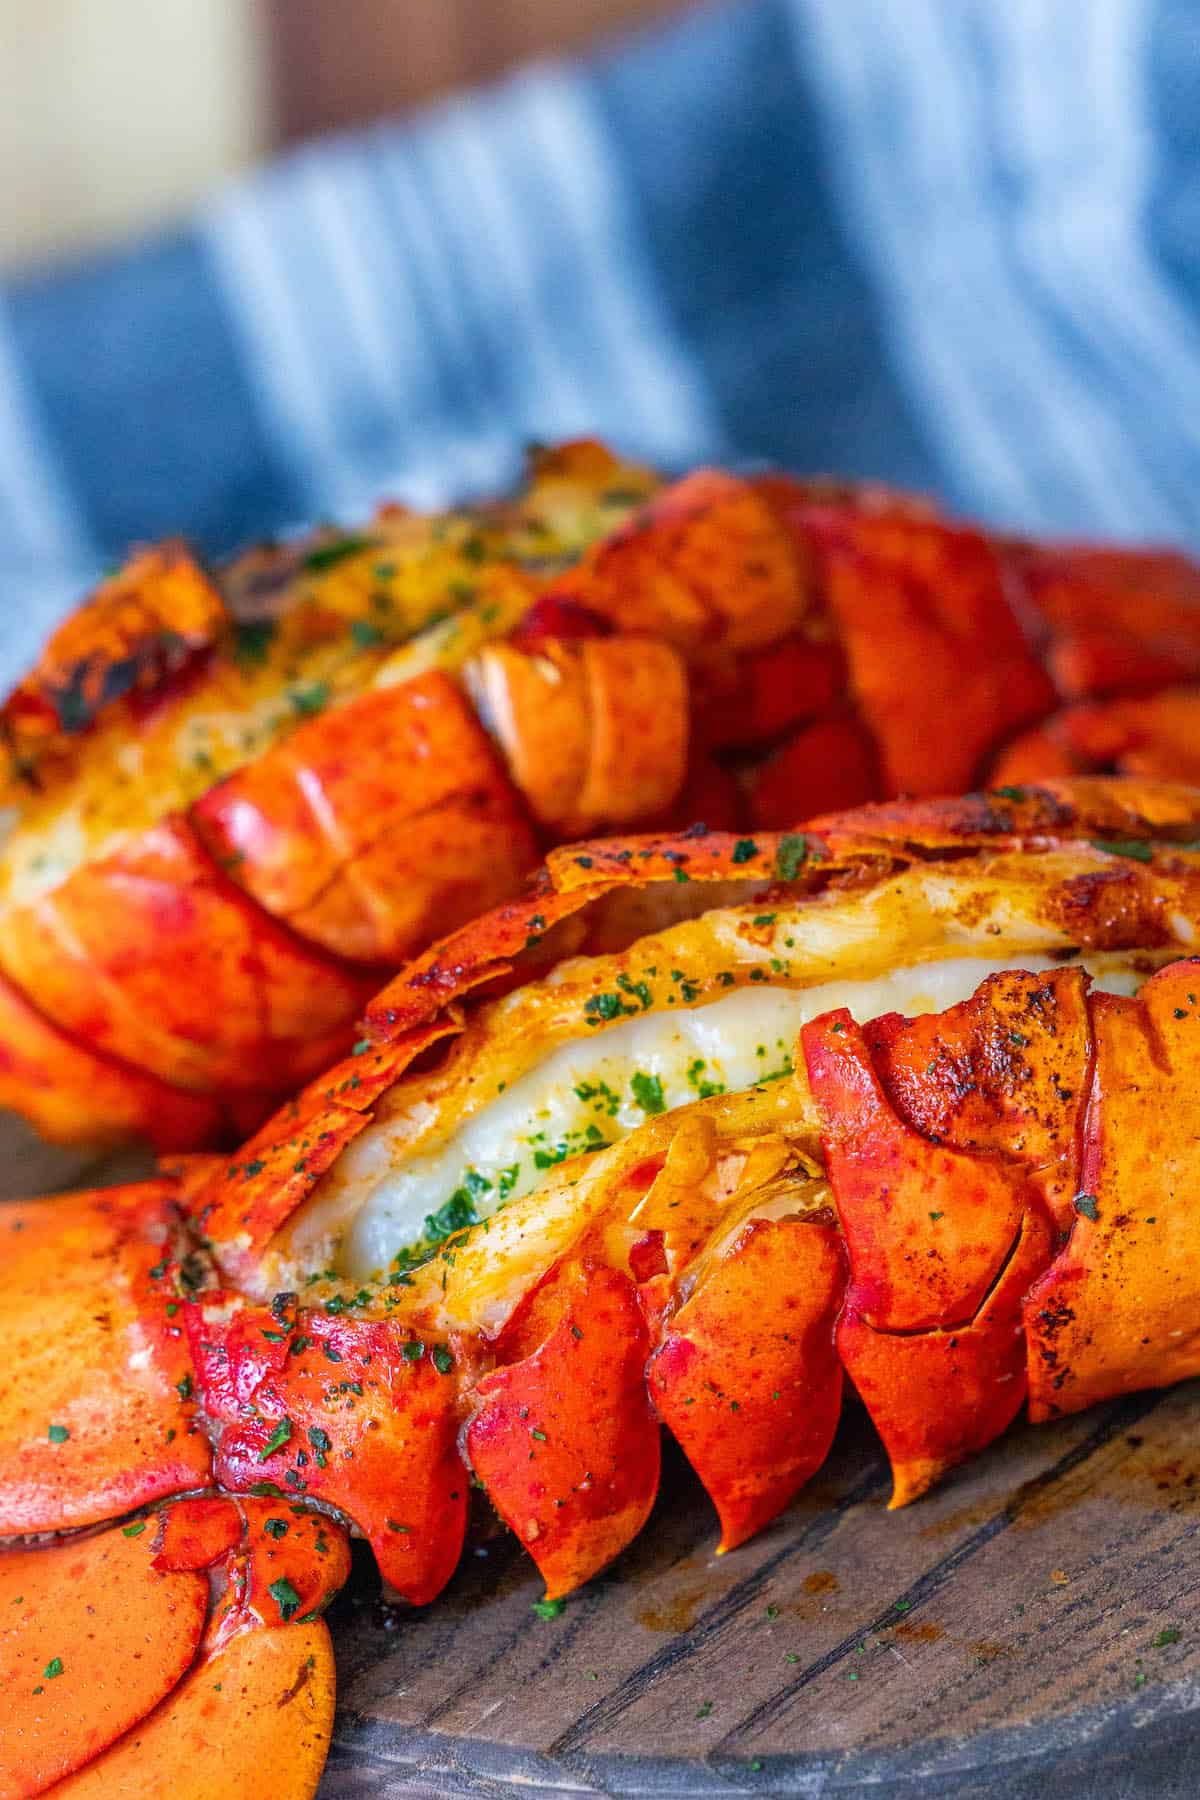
1032	1627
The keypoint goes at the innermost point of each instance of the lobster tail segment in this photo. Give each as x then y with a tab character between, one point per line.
563	1438
747	1376
132	1657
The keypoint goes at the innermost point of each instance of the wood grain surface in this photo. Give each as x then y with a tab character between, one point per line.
1032	1627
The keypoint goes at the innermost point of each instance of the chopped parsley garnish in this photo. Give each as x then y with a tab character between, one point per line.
547	1609
1086	1204
311	699
285	1597
281	1436
604	1006
455	1215
601	1094
1136	849
638	989
327	556
275	1528
744	850
791	855
698	1082
443	1362
54	1667
252	640
647	1091
134	1530
58	1434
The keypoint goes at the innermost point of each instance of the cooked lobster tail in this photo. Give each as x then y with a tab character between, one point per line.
978	1198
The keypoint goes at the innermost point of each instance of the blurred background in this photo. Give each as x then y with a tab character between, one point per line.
265	260
118	116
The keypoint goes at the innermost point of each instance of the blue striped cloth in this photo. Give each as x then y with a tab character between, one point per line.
949	243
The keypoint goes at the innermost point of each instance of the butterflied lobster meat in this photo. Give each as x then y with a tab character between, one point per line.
235	797
695	1130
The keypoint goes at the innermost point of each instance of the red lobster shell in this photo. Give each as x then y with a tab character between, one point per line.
975	1198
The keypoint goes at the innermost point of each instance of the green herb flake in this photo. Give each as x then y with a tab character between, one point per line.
442	1360
134	1530
285	1597
647	1092
1169	1635
705	1710
279	1438
791	855
457	1213
1087	1205
58	1434
310	700
548	1609
275	1528
327	556
699	1083
54	1668
252	640
604	1006
1136	849
744	850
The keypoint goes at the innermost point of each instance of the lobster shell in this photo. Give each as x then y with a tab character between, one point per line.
957	1210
